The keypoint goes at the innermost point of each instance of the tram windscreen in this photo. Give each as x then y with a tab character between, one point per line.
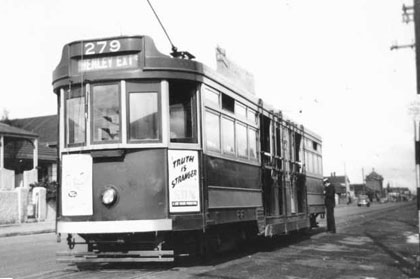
106	113
75	117
144	121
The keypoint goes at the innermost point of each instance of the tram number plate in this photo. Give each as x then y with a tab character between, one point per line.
100	47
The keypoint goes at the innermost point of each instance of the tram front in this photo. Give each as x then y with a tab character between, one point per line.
129	149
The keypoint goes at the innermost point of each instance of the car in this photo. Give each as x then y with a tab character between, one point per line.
363	200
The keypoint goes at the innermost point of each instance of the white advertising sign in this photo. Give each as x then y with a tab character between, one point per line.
184	181
76	185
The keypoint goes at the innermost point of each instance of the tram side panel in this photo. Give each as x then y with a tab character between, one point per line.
233	190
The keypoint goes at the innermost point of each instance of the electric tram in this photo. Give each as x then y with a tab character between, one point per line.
161	156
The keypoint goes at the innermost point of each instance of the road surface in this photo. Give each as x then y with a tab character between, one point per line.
375	242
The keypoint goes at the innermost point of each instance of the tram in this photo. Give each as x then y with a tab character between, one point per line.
162	156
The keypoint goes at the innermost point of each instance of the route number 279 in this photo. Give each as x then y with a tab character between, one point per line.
102	47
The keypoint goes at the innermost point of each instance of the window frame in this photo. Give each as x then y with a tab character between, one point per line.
222	135
145	87
136	140
92	126
83	93
218	115
195	113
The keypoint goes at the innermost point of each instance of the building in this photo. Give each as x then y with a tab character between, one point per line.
46	127
359	189
28	156
374	182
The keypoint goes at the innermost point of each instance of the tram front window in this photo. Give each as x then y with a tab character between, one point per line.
106	113
75	117
144	121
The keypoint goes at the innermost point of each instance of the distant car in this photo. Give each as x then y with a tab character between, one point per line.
363	200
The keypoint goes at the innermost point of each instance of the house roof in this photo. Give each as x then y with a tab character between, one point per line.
8	130
374	176
26	151
45	126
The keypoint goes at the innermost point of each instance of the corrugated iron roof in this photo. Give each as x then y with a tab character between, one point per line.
8	130
45	126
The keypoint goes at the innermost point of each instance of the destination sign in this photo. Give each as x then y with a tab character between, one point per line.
108	63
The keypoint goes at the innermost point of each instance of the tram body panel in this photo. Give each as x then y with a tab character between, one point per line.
232	197
139	179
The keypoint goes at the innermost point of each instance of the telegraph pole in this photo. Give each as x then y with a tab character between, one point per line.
410	14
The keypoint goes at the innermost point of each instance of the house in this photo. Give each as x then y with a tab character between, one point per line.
46	127
28	155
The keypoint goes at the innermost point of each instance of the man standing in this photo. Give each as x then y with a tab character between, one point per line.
329	204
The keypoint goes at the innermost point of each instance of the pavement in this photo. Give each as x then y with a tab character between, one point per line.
27	228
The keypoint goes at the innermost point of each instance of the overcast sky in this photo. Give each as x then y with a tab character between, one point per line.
326	63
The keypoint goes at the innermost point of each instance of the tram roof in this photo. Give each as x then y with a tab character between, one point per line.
152	64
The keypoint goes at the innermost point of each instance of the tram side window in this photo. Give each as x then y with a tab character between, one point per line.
106	113
241	136
228	103
211	97
75	117
252	140
212	131
144	116
228	135
183	112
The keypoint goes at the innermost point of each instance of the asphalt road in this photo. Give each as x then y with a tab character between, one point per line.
375	242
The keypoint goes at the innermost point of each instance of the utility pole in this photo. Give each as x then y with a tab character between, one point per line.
410	14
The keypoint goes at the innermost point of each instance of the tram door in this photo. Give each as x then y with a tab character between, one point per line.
295	180
271	179
288	166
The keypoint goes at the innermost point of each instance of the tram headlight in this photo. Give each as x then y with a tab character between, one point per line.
109	197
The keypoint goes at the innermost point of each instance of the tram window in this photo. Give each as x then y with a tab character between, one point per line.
314	146
265	134
75	117
212	131
242	141
211	97
106	113
144	121
240	110
183	112
228	135
252	116
252	140
278	142
228	103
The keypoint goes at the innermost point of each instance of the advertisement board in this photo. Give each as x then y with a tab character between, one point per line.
76	189
184	181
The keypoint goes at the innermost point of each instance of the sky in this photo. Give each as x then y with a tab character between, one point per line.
326	64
